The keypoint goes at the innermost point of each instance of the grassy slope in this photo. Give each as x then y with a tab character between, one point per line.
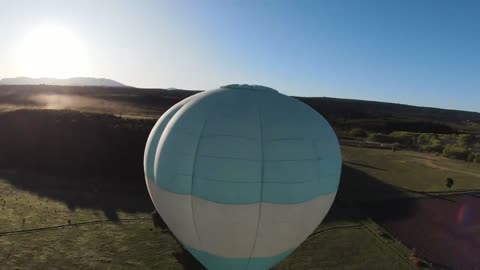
21	210
132	245
113	245
354	248
98	246
137	245
413	170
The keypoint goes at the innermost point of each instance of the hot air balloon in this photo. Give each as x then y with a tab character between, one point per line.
242	175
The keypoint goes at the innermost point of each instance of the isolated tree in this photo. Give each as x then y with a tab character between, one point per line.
466	140
449	182
395	147
358	132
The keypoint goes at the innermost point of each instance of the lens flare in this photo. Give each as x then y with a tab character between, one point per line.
463	214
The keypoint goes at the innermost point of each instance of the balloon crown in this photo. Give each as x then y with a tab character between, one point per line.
250	87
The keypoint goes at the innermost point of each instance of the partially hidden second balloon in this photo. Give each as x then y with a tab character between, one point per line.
242	175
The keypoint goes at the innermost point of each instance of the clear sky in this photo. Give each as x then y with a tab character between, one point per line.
416	52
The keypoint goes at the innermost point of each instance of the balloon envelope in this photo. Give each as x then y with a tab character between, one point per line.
242	174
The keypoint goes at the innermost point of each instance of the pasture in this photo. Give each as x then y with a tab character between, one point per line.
413	171
78	202
112	229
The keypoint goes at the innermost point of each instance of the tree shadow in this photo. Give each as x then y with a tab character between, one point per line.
91	193
85	160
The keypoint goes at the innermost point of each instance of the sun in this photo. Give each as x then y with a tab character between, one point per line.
51	51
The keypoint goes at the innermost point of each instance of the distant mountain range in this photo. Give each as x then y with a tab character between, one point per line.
77	81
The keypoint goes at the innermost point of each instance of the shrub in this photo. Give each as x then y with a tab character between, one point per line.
429	143
476	158
425	138
382	138
449	182
437	148
456	152
404	138
358	132
395	146
466	140
447	139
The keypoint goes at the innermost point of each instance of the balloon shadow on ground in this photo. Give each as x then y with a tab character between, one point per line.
359	192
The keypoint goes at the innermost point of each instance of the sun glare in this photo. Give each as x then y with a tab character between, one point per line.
51	51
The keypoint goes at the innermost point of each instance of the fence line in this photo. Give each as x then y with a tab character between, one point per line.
72	225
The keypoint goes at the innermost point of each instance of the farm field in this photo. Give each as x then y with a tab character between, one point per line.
405	193
413	171
59	222
239	135
79	201
39	231
444	230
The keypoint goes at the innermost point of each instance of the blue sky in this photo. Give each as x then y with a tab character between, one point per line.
416	52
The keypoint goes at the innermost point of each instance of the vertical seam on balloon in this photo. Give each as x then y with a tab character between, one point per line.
167	119
317	157
261	188
193	177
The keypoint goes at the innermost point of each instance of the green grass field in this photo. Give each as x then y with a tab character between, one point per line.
413	170
104	223
39	231
84	238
